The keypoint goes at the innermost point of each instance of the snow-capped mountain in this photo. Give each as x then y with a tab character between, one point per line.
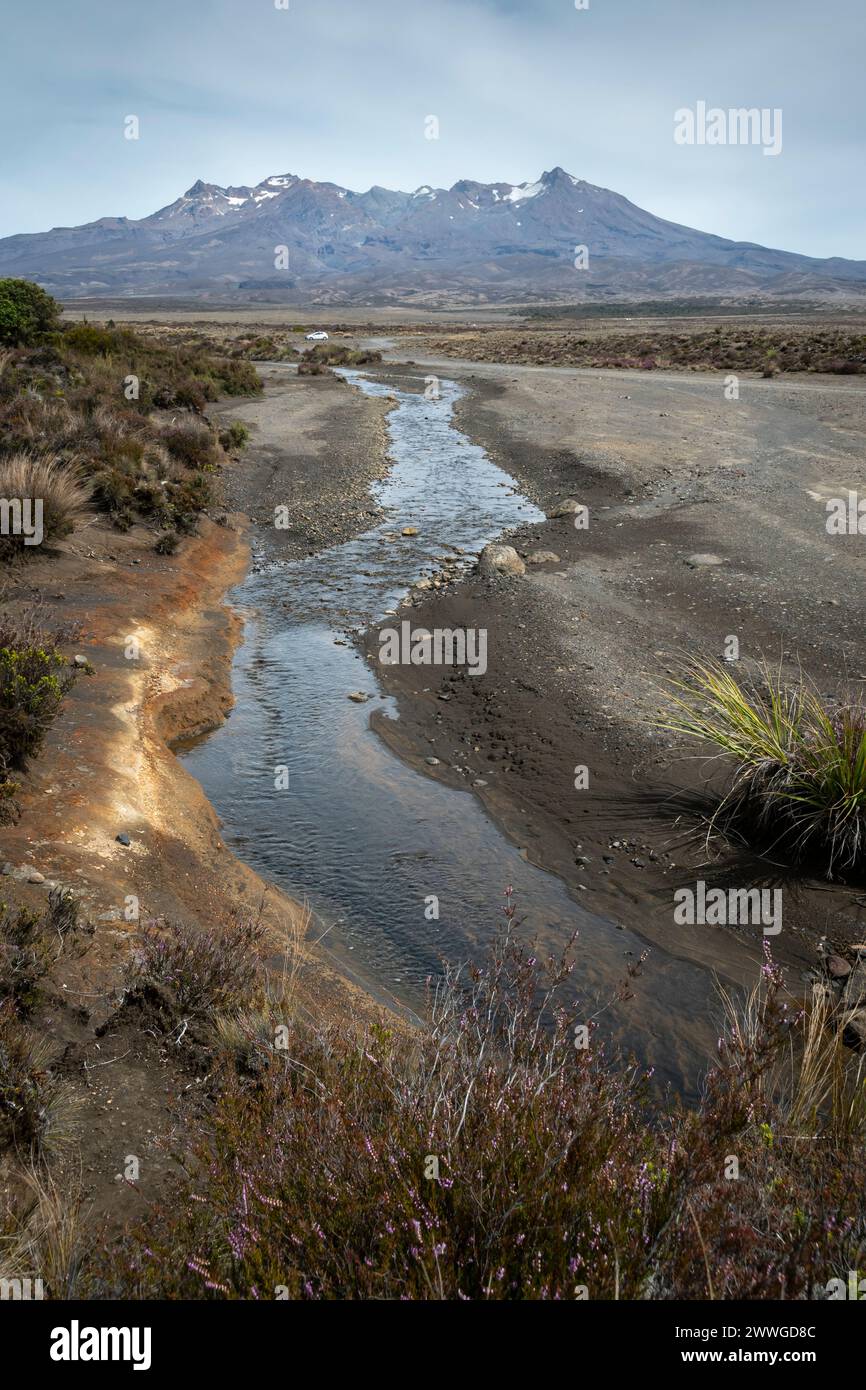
295	239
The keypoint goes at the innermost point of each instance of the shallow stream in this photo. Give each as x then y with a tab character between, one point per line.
362	837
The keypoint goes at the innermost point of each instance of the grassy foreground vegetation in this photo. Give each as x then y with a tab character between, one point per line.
483	1157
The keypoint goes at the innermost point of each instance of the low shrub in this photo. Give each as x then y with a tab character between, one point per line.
193	442
34	677
167	543
29	943
203	973
490	1157
235	436
89	396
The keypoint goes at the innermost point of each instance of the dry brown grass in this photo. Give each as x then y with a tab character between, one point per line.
41	478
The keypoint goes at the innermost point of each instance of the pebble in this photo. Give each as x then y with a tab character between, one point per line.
567	507
122	839
700	561
838	967
432	762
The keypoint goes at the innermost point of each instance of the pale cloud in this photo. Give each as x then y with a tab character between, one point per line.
233	90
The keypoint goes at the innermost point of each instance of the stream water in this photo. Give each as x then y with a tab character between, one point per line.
359	835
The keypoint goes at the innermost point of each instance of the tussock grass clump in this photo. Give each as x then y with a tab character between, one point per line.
42	1234
36	1110
798	764
58	487
488	1157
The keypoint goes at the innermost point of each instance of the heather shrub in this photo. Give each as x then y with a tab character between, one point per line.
200	972
489	1157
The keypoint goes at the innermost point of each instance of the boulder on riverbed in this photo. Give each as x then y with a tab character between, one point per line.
500	560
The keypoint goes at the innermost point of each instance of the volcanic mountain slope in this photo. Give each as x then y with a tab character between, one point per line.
293	238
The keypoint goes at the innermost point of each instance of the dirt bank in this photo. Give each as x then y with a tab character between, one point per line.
670	469
160	640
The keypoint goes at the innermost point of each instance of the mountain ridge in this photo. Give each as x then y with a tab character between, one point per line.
289	236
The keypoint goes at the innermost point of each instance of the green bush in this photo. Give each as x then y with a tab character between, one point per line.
27	313
91	340
34	677
236	436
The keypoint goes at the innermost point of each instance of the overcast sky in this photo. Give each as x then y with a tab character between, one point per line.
233	90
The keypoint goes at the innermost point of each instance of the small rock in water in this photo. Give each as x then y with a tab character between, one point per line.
409	531
122	838
358	696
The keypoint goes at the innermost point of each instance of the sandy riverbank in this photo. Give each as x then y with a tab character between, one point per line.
669	469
